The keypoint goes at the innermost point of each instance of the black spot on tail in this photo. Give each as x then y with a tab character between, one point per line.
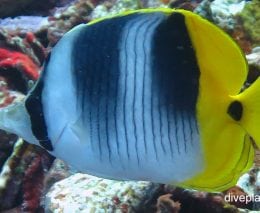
235	110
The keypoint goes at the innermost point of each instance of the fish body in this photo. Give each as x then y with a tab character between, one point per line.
145	95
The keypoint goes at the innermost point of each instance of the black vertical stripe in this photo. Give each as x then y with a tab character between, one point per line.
190	120
183	129
107	96
176	126
91	81
34	107
175	59
98	116
169	130
173	69
96	79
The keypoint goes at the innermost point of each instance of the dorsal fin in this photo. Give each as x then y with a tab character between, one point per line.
222	63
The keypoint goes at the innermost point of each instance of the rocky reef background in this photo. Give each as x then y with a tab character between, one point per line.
33	181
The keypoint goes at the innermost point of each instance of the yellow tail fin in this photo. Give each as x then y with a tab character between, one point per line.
250	117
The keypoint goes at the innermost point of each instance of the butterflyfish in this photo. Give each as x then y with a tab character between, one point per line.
152	94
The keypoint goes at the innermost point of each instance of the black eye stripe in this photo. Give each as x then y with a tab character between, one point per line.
235	110
33	106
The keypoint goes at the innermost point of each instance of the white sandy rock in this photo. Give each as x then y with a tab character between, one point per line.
85	193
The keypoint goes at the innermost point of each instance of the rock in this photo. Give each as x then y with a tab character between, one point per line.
66	18
28	7
250	18
254	58
24	23
112	8
58	171
85	193
6	146
109	8
254	66
221	12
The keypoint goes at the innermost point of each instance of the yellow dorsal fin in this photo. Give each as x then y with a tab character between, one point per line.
220	59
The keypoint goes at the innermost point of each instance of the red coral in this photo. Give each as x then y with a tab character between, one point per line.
33	186
20	61
33	181
39	52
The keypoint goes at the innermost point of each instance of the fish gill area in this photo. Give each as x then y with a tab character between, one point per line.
31	180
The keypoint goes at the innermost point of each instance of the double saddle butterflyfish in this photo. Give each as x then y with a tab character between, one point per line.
152	94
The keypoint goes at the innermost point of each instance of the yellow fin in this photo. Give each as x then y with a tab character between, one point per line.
221	61
250	120
223	71
227	168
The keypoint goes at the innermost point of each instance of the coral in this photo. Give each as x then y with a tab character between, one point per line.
28	7
26	43
189	201
33	181
151	3
221	12
166	204
66	18
241	37
20	61
58	171
16	60
16	69
250	18
6	146
184	4
11	177
6	96
21	179
115	7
